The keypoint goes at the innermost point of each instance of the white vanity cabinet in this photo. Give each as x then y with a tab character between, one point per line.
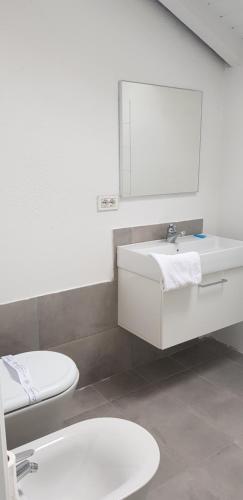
165	319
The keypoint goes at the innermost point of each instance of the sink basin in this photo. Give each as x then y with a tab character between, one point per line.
101	458
217	254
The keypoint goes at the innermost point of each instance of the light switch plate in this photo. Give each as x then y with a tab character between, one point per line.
107	202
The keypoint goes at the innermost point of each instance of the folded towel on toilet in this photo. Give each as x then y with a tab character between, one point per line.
180	270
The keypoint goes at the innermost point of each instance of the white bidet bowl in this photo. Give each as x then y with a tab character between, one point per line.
97	459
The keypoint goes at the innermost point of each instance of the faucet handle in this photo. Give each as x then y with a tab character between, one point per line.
171	228
23	455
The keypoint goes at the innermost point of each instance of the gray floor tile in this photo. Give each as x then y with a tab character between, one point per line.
150	406
194	418
239	441
159	369
201	352
180	347
225	373
83	400
191	485
106	410
118	385
169	467
226	470
225	413
223	409
187	437
192	439
218	347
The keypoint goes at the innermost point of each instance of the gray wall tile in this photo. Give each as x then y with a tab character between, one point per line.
18	327
121	236
74	314
190	226
83	322
137	234
147	233
99	356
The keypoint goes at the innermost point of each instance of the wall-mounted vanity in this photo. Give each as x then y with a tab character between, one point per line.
165	319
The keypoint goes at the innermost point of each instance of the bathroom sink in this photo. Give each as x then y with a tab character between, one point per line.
101	458
217	254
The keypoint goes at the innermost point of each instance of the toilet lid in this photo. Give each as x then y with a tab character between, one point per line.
51	372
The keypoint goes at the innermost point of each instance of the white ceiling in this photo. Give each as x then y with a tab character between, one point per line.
229	13
219	23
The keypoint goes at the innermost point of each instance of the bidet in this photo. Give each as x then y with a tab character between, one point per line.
97	459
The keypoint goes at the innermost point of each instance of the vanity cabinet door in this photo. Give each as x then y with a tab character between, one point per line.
168	319
194	311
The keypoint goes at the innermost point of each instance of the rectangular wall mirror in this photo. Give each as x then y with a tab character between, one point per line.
160	131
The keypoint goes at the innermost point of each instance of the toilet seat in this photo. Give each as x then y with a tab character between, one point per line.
52	373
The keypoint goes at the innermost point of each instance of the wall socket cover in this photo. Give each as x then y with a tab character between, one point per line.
107	202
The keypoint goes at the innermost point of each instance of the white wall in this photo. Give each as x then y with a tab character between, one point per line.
231	205
60	64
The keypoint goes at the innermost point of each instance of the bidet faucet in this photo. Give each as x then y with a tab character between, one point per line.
24	466
172	234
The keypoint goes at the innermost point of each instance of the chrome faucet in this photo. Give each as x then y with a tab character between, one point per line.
172	234
24	466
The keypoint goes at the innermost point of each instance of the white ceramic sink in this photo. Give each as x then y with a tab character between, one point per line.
217	254
101	458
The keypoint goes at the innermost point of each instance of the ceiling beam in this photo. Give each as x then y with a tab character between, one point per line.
198	18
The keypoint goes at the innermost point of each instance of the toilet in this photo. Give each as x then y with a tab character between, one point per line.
54	378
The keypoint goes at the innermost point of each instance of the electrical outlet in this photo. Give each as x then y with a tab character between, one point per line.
107	202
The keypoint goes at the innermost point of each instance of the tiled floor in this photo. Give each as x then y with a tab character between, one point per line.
192	402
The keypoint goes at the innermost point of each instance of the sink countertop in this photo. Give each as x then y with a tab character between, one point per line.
217	254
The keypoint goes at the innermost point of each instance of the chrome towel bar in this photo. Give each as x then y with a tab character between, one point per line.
219	282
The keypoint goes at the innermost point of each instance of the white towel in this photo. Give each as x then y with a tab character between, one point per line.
179	270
